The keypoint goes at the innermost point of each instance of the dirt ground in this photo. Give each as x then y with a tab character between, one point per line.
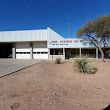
48	86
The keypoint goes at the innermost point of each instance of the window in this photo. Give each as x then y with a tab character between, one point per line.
28	52
42	52
56	51
46	52
38	52
22	52
17	52
75	52
34	52
51	51
91	51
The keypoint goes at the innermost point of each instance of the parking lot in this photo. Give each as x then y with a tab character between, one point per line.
8	66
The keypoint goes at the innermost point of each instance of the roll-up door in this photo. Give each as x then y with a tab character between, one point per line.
22	50
40	50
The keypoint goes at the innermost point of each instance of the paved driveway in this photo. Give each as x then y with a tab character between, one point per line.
8	66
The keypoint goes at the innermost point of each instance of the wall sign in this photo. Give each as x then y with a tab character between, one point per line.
65	41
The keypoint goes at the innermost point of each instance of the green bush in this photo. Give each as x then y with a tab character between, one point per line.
58	61
84	65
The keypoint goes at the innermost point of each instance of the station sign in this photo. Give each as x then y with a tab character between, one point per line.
65	41
69	43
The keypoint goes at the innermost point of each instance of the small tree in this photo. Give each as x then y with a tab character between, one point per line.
97	31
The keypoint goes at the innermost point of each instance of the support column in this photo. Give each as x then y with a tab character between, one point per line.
64	53
14	50
80	52
31	50
49	54
96	53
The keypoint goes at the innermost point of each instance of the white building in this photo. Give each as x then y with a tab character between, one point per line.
42	44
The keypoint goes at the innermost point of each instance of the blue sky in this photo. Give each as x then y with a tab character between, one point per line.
56	14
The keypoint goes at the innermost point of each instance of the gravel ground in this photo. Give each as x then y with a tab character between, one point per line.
48	86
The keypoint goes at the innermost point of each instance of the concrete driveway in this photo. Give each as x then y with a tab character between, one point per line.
8	66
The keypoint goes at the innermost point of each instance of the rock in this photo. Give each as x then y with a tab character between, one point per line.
15	106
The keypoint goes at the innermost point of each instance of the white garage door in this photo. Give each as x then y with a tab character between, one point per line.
22	50
40	50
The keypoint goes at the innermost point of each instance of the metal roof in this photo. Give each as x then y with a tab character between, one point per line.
24	35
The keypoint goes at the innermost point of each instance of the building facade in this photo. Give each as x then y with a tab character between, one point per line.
43	44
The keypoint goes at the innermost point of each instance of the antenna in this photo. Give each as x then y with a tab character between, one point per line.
69	30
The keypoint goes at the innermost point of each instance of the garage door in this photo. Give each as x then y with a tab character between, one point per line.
22	50
40	50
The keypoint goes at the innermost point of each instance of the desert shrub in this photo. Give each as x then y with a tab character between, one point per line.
84	65
57	60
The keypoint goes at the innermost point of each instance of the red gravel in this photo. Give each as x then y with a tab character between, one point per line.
48	86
